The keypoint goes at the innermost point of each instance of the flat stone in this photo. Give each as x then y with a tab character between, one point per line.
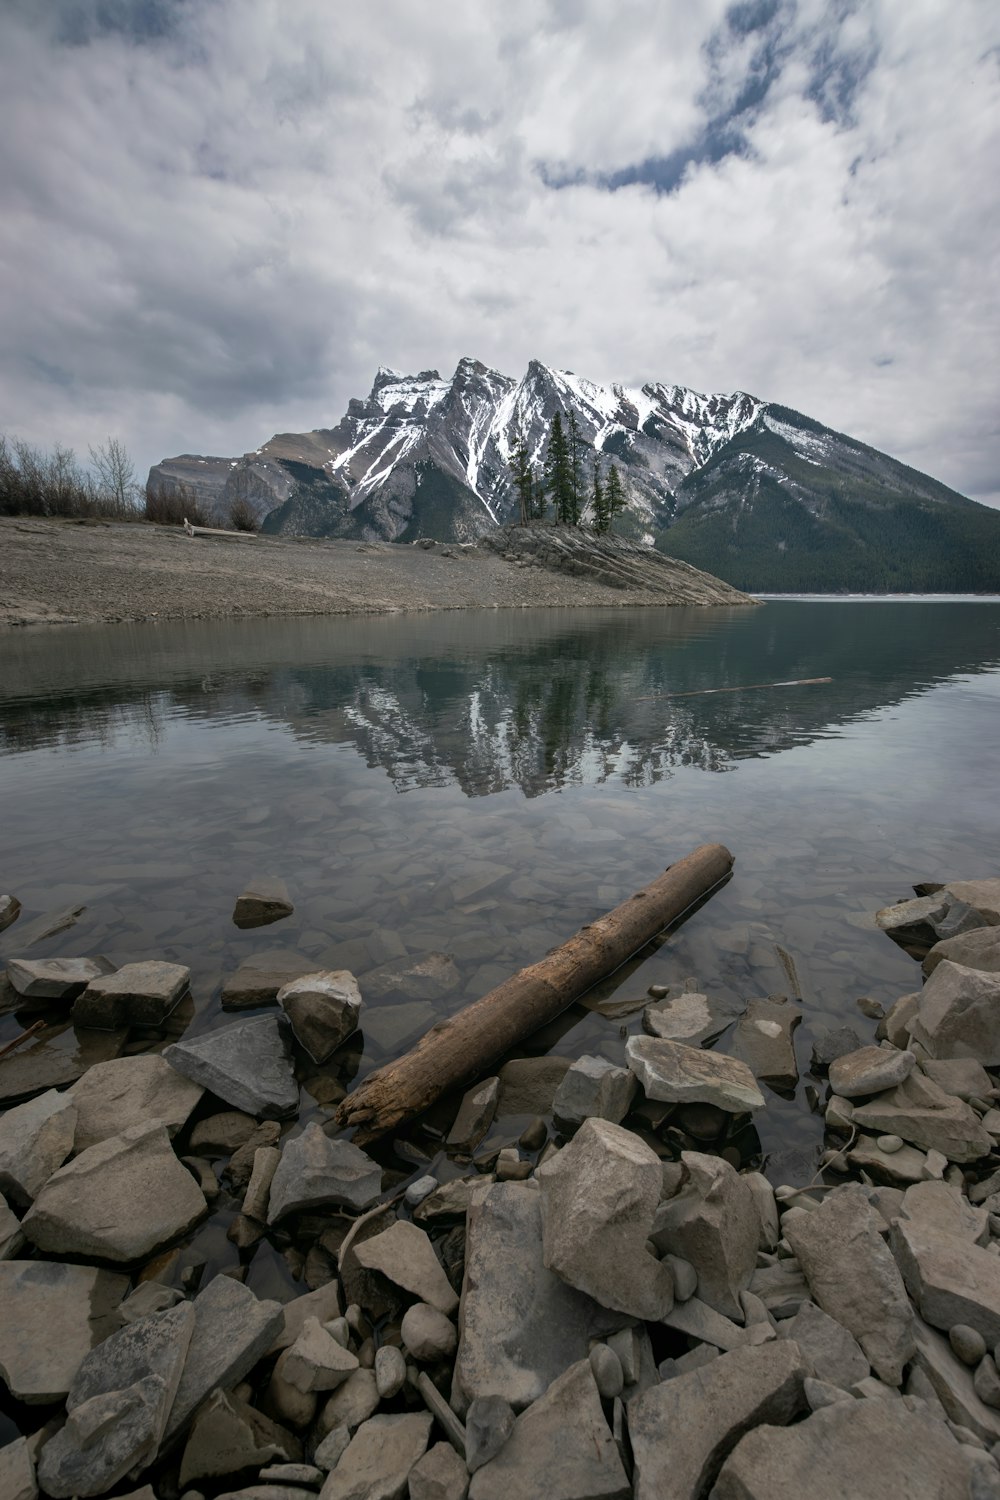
764	1039
520	1325
959	1014
690	1017
439	1475
712	1222
247	1064
854	1278
53	978
862	1449
259	979
475	1115
35	1140
950	1280
141	994
316	1361
405	1255
896	1168
676	1073
323	1010
923	1114
834	1354
11	1238
17	1470
232	1331
712	1407
870	1070
262	901
599	1195
53	1315
119	1200
561	1448
938	1205
10	910
528	1085
431	976
39	928
322	1304
117	1406
962	1076
952	1383
593	1088
379	1457
427	1333
113	1095
982	895
830	1045
979	949
222	1133
316	1172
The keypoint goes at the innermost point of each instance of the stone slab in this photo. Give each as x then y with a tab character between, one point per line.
247	1064
113	1095
677	1073
53	1315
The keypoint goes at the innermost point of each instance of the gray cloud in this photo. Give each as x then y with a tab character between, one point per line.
221	215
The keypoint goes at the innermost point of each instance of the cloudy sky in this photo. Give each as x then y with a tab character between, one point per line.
218	217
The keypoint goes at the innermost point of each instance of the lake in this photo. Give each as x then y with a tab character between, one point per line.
482	784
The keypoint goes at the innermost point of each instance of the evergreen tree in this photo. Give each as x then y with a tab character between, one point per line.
520	468
559	473
575	470
600	500
615	497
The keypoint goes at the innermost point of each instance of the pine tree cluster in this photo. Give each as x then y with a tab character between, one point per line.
563	481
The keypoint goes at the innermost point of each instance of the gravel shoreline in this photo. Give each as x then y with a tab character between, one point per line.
63	572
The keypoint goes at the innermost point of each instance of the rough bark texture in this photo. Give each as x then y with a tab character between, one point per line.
462	1047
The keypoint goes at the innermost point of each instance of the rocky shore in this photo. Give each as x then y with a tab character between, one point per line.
569	1283
64	572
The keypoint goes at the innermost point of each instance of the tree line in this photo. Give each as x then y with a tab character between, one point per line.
571	479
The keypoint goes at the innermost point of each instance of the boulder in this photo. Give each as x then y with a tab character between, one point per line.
561	1448
959	1014
53	1315
982	895
141	994
439	1475
35	1140
854	1278
520	1325
247	1064
316	1172
599	1195
712	1223
54	978
259	979
593	1088
113	1095
117	1201
17	1469
950	1280
405	1255
979	949
10	910
232	1331
262	901
676	1074
764	1039
870	1070
923	1114
323	1010
117	1406
712	1407
228	1435
528	1085
431	976
833	1354
691	1017
475	1115
379	1457
862	1449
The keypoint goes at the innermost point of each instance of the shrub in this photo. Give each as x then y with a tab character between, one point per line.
174	506
242	516
36	483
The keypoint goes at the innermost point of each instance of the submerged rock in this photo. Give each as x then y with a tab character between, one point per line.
690	1017
247	1064
262	901
54	978
528	1085
475	1115
678	1074
53	1315
323	1008
428	976
258	980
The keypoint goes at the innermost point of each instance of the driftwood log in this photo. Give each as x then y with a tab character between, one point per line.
462	1047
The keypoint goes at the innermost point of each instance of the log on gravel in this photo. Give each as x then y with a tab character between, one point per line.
462	1047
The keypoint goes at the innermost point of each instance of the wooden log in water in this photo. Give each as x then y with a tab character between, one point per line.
462	1047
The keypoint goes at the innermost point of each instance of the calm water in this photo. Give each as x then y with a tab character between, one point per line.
483	784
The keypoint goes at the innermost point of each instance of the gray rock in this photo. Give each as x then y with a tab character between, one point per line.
894	1026
690	1017
900	1168
405	1255
511	1166
520	1325
390	1371
439	1409
285	1402
599	1195
918	925
764	1039
713	1407
10	910
941	1206
699	1321
258	1193
53	978
264	900
117	1406
113	1095
489	1423
379	1457
870	1070
475	1115
449	1201
11	1238
979	949
982	895
950	1280
852	1448
830	1045
428	977
923	1114
781	1287
419	1190
820	1393
316	1361
141	994
304	1474
323	1304
266	1136
767	1210
712	1223
608	1373
149	1297
119	1200
685	1277
959	1014
17	1470
987	1382
222	1133
259	980
528	1084
317	1172
960	1075
676	1073
53	1315
834	1354
969	1346
247	1064
351	1403
951	1382
593	1088
439	1475
427	1333
560	1449
232	1331
35	1140
323	1010
328	1453
854	1278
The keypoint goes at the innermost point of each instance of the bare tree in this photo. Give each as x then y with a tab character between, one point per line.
115	473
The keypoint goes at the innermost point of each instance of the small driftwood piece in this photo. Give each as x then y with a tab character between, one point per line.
25	1036
462	1047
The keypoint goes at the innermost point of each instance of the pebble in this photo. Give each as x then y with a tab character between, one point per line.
889	1143
510	1167
534	1136
968	1343
390	1371
607	1368
427	1333
871	1008
419	1190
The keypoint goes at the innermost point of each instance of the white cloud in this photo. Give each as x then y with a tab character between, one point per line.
221	217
